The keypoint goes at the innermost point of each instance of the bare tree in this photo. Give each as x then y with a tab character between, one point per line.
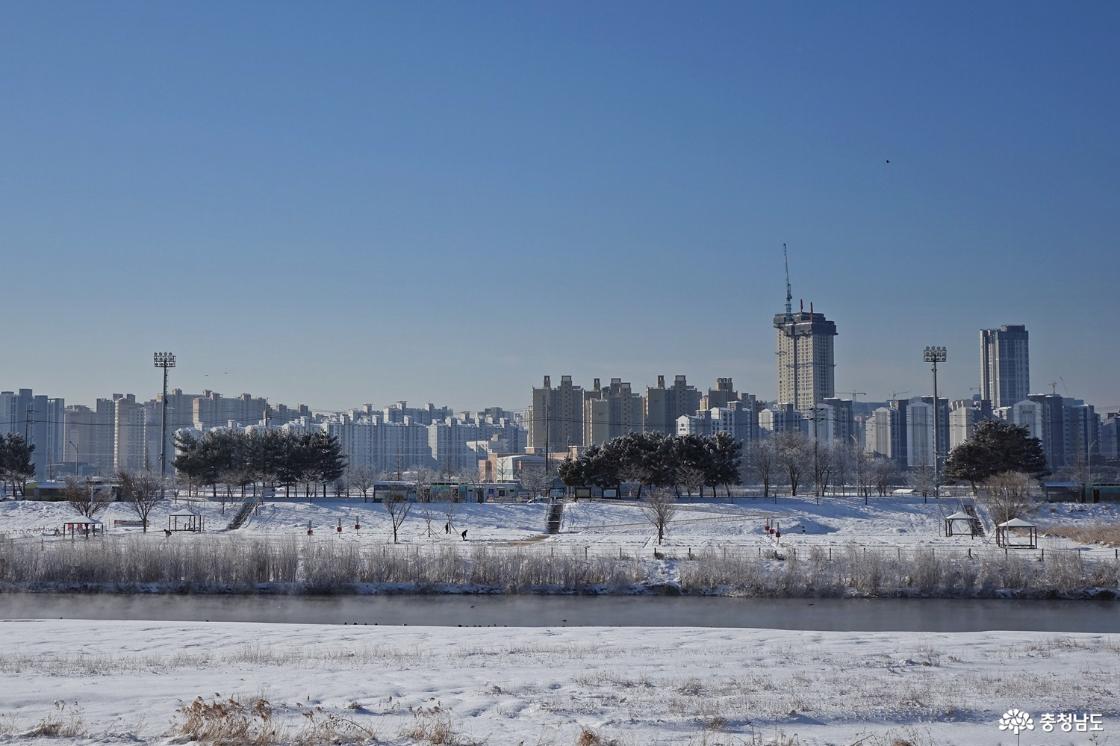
822	467
362	478
843	459
922	479
763	463
1008	495
469	478
427	510
692	478
501	470
84	498
861	463
398	507
659	509
141	490
883	474
449	509
424	479
792	451
534	479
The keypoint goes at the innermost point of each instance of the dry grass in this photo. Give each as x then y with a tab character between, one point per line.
432	725
323	727
1107	534
228	563
588	737
232	722
228	722
235	563
64	722
872	574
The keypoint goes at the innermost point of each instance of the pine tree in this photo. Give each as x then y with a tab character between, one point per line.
994	448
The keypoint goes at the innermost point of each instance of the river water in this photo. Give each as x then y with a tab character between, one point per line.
910	615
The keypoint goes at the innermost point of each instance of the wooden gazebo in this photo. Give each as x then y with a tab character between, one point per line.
954	527
1009	534
186	521
83	526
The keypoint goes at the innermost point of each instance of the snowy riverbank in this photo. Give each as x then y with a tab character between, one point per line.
124	681
837	547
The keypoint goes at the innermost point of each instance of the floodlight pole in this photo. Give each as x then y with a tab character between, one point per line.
936	355
163	360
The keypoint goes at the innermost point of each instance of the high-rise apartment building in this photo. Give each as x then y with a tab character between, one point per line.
1110	437
738	419
806	365
877	432
89	439
28	415
211	409
610	412
665	404
1005	377
1052	421
963	418
838	416
919	434
447	441
556	416
780	418
723	394
695	424
129	452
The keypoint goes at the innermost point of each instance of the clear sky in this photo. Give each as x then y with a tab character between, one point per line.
336	203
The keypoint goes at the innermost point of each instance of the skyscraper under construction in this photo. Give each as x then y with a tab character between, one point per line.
806	366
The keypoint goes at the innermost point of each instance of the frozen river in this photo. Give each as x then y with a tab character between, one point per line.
843	615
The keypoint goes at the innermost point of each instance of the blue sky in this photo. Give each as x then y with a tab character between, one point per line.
348	202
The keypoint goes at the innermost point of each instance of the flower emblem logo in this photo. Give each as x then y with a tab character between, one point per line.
1016	721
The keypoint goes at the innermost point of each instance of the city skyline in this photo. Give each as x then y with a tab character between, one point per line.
373	222
1110	401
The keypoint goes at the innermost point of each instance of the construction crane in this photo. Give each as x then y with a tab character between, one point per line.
894	394
789	289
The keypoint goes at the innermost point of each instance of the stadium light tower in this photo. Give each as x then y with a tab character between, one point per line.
935	355
163	360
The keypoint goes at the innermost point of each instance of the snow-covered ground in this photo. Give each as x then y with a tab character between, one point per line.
126	680
902	522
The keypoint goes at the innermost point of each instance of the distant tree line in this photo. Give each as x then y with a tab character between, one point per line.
268	458
796	460
656	460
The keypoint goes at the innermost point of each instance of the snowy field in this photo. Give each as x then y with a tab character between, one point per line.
124	681
606	527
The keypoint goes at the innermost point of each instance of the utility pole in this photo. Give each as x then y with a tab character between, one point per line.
1088	459
547	433
936	355
163	360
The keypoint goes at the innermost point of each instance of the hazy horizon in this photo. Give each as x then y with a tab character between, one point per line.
355	203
